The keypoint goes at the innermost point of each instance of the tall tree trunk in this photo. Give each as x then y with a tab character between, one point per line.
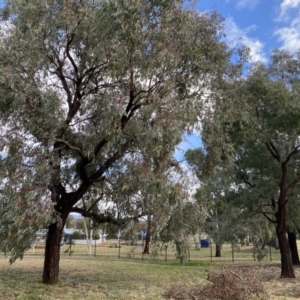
52	253
287	270
88	234
263	244
293	247
148	234
90	241
218	250
197	241
248	239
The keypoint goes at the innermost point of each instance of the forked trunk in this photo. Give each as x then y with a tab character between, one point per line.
293	247
287	270
52	253
218	250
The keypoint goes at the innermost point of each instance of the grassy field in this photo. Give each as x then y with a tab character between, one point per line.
108	278
241	253
94	278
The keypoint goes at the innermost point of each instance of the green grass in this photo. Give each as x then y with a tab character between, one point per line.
242	253
139	277
104	278
95	278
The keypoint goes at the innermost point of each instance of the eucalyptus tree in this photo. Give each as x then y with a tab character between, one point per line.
185	217
90	226
149	182
223	220
261	129
293	229
85	84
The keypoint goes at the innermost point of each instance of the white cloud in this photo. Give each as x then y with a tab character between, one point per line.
289	34
234	33
285	6
250	28
240	4
250	4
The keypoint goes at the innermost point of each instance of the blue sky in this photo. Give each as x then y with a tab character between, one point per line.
190	141
262	25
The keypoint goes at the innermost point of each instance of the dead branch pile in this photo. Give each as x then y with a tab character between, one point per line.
226	285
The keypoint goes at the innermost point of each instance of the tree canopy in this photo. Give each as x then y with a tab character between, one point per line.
86	85
259	133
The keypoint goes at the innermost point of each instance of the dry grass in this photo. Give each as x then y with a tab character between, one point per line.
269	274
241	253
261	280
223	285
93	278
100	278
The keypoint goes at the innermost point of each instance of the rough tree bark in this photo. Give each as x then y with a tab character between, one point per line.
148	234
293	247
63	208
218	250
287	270
52	253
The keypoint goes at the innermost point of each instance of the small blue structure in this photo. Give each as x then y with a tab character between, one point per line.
205	243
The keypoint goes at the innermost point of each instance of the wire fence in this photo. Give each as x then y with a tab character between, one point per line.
164	252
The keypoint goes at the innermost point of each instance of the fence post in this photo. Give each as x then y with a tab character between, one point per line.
143	248
166	252
211	250
119	240
232	247
270	253
95	248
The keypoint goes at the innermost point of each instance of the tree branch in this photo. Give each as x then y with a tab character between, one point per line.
69	42
249	183
59	72
118	154
296	149
102	218
272	149
266	215
131	92
96	202
99	146
294	182
76	149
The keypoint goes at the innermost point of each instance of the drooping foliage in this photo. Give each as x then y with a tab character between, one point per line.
260	135
87	83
